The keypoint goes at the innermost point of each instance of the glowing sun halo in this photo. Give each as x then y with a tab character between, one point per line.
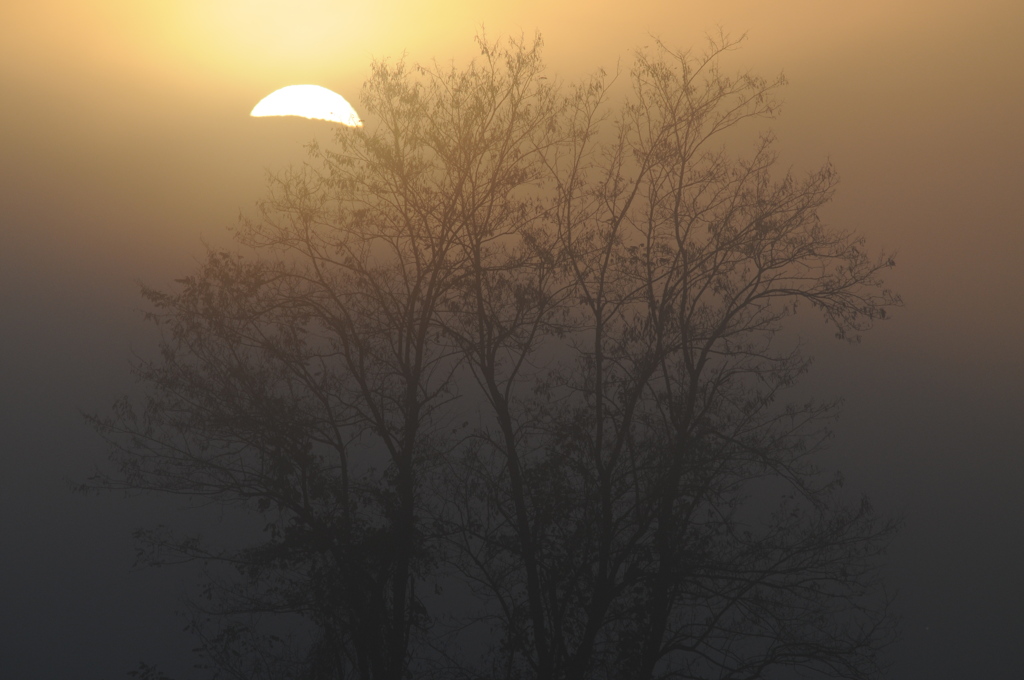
308	101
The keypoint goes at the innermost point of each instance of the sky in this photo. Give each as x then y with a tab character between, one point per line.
126	149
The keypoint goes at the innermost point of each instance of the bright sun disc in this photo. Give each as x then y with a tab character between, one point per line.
308	101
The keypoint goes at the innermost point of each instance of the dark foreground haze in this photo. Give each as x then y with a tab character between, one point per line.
125	146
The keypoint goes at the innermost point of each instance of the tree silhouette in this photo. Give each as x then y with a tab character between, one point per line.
501	377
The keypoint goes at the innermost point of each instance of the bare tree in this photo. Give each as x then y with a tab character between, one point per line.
521	344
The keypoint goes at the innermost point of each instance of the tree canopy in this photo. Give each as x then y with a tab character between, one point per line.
501	377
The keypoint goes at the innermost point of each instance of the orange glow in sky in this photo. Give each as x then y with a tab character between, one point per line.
136	95
304	40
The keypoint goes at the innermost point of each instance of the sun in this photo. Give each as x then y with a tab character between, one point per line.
308	101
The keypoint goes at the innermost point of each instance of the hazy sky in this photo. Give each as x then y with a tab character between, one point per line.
125	145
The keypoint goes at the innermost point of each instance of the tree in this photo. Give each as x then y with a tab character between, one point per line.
502	376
